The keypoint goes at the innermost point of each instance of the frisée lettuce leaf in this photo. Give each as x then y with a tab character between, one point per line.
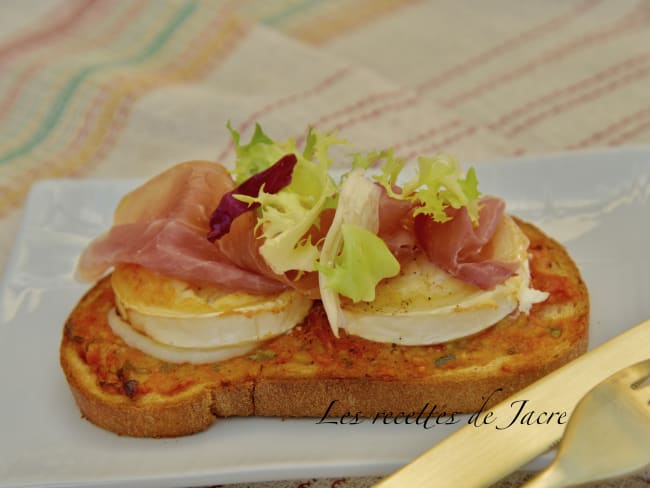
286	216
439	183
256	156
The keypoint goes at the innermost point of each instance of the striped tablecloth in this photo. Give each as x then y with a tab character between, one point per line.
121	88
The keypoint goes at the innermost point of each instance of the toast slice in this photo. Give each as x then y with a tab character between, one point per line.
310	373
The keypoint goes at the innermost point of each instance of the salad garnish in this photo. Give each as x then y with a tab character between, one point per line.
271	180
285	217
438	184
289	190
353	258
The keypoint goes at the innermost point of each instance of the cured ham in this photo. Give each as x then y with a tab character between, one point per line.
173	249
396	224
462	249
162	225
187	192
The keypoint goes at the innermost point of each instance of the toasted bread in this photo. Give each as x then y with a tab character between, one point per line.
308	372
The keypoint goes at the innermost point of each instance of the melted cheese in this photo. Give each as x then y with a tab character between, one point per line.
425	305
170	319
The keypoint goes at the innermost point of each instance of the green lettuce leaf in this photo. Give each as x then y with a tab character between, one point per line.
317	146
353	259
439	183
390	170
260	153
285	217
363	262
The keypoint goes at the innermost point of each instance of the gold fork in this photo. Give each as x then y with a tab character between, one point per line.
608	434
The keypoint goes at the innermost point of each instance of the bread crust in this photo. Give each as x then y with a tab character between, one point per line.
309	373
180	416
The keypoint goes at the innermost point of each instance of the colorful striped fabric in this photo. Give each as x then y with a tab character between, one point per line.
67	87
66	101
69	79
126	88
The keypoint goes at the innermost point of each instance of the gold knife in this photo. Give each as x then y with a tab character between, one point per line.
501	439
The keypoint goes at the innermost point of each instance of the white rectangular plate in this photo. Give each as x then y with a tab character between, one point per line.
596	203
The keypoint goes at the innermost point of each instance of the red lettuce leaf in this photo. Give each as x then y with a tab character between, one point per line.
273	179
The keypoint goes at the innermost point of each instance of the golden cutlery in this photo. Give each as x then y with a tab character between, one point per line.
480	453
608	434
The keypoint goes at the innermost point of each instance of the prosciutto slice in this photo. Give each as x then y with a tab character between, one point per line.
396	224
462	249
162	225
187	192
